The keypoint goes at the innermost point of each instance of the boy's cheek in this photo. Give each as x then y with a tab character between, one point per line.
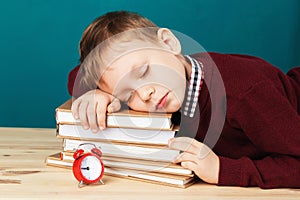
138	106
175	106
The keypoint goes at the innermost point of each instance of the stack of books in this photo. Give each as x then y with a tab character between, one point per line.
134	145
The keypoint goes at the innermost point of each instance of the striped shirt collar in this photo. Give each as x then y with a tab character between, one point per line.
194	87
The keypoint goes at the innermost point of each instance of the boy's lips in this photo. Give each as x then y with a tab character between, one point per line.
162	102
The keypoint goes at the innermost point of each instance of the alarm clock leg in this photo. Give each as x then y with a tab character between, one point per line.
81	184
100	181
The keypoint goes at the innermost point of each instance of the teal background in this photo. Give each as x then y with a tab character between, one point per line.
39	42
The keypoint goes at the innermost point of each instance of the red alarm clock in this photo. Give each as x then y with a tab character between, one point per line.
88	167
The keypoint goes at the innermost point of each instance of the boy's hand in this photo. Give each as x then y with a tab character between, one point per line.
197	157
91	109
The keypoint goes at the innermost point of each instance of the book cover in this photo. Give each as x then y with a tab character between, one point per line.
135	164
162	154
124	118
127	135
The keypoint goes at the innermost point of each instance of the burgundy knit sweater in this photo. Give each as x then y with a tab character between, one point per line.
260	141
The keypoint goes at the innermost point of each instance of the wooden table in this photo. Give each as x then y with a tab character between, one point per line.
24	175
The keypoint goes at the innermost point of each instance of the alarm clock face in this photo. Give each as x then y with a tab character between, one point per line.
91	168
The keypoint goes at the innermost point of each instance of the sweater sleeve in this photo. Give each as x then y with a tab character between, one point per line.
75	88
273	126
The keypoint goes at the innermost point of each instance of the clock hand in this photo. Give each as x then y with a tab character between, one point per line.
87	168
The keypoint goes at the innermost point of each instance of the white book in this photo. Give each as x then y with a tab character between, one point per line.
163	154
141	165
157	137
122	118
179	181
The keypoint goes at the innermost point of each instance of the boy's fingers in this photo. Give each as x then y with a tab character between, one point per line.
188	161
101	114
181	143
183	157
74	108
114	106
189	145
189	165
91	116
83	115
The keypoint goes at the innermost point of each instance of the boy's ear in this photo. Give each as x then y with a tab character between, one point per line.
169	40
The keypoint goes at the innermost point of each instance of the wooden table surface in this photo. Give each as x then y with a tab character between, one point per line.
25	176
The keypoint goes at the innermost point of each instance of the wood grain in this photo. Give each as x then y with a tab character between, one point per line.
9	181
23	175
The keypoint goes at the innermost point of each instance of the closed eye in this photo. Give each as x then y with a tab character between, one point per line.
142	71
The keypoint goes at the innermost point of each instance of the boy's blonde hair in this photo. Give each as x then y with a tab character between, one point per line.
106	26
100	33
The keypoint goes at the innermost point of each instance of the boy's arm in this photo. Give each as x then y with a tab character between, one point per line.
273	171
75	89
273	125
91	105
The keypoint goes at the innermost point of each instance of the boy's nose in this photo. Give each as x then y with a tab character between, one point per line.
145	93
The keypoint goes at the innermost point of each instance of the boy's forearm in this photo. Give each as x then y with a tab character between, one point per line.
270	172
